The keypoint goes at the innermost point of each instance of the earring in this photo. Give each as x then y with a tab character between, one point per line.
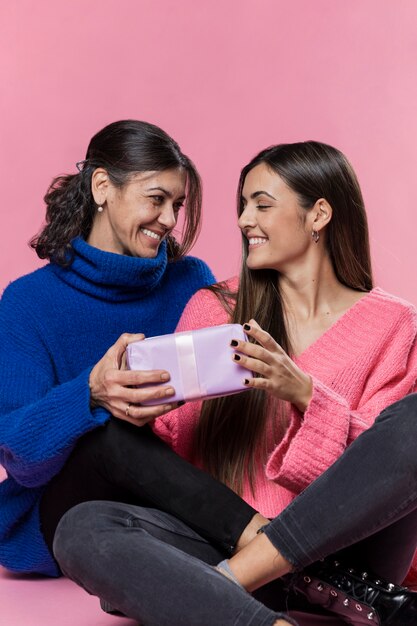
100	209
315	235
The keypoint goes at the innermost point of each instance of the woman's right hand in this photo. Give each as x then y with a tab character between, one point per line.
279	375
114	388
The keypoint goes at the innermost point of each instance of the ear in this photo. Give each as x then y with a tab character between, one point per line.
100	183
320	215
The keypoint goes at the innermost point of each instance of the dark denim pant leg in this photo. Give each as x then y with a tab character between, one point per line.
121	462
367	498
151	567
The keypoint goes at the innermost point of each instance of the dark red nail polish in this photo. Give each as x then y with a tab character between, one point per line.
234	343
246	327
246	381
236	357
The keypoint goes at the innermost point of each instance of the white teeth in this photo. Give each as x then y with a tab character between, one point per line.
150	234
253	241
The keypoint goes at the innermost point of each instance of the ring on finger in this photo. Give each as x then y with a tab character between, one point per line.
127	409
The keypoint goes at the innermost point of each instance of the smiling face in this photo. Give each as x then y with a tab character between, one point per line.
137	217
278	229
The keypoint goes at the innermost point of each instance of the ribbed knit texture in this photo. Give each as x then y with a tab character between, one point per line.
364	362
55	324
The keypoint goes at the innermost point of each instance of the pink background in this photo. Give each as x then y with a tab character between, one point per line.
225	78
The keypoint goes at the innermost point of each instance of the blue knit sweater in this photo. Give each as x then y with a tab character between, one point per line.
55	324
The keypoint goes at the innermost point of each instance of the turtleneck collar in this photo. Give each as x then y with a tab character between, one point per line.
110	276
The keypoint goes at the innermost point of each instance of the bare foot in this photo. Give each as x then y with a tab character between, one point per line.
258	563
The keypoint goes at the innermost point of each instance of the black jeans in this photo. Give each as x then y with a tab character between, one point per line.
365	505
152	567
124	463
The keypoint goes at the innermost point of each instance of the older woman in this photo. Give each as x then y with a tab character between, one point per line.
114	269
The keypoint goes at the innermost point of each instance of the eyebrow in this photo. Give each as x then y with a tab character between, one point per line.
165	191
255	194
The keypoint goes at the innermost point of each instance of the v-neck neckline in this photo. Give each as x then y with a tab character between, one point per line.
333	328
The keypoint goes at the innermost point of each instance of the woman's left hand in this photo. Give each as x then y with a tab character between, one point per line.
279	375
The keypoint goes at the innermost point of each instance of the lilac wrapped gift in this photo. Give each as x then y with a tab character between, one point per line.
199	362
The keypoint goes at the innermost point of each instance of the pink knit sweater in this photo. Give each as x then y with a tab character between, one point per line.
360	365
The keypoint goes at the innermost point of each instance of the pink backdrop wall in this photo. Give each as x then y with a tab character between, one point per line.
225	78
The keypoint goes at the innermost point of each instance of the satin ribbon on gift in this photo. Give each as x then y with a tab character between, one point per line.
187	363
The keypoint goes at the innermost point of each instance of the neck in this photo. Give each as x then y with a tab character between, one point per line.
313	290
102	238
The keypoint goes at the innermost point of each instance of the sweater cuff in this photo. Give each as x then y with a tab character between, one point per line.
313	441
59	422
72	401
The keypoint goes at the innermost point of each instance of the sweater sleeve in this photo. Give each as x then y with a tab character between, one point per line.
40	420
314	441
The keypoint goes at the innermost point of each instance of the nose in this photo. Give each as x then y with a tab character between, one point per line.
247	218
167	217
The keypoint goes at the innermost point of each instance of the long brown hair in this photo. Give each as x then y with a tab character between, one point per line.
123	149
231	437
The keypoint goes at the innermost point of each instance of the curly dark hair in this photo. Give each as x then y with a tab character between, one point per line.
123	149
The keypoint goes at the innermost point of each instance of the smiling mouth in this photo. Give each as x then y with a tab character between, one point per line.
256	241
150	233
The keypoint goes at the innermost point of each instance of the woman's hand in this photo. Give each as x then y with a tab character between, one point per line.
280	376
113	387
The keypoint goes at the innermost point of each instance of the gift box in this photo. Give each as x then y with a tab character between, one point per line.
199	362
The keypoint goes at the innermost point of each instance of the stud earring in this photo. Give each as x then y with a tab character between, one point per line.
100	209
315	235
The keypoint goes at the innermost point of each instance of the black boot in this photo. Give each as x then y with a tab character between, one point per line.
357	597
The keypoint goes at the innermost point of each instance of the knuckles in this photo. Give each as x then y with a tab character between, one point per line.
109	377
281	359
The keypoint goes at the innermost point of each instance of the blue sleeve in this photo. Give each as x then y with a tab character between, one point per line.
40	420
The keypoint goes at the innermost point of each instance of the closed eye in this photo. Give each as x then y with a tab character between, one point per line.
178	205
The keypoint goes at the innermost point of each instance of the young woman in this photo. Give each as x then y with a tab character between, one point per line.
329	352
115	268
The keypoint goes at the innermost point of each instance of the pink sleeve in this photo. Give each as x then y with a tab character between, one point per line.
203	310
314	441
